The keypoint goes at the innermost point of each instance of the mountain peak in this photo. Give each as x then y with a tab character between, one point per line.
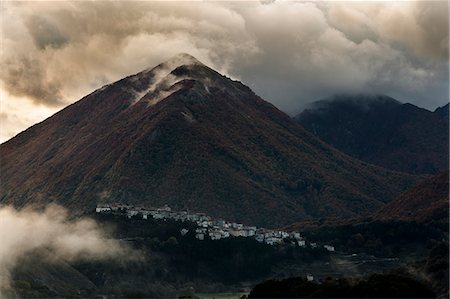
166	68
360	99
382	131
181	59
184	59
156	83
180	72
443	111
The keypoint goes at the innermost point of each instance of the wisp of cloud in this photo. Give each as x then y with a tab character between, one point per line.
25	231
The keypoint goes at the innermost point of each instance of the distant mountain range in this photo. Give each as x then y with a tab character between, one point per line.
184	135
380	130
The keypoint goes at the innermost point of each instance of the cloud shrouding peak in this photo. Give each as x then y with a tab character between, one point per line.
288	52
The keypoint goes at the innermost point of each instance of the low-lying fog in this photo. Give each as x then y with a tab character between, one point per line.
24	231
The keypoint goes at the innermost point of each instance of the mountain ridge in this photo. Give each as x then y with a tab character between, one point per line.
426	202
208	144
382	131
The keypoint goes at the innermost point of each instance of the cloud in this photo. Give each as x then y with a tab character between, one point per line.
25	231
319	49
422	28
290	53
18	113
44	33
69	48
26	77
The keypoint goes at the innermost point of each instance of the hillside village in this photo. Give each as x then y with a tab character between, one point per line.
215	229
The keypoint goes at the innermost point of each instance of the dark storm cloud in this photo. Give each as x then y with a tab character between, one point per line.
44	33
26	76
315	50
56	52
290	53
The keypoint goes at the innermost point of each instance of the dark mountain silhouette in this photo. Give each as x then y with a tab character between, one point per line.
182	134
443	111
382	131
426	202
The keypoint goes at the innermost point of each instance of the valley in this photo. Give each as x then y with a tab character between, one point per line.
177	265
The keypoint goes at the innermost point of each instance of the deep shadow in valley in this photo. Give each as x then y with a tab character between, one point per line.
173	265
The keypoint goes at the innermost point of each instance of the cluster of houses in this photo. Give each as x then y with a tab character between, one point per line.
222	229
208	227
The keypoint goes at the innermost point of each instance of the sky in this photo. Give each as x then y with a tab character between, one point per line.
289	52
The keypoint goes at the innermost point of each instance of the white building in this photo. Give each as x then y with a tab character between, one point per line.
273	240
215	235
259	238
329	247
237	225
166	208
205	223
238	233
158	215
131	213
200	230
296	235
251	233
102	209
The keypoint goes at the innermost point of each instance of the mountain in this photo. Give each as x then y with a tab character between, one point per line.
184	135
426	202
443	111
38	277
382	131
